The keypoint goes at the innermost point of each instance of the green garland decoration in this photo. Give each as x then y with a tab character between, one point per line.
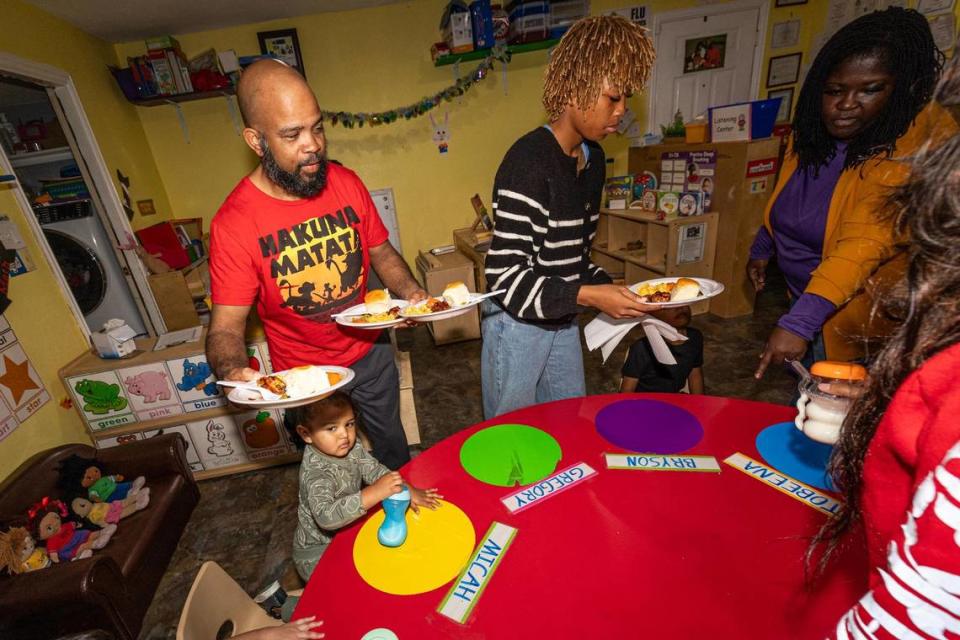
351	120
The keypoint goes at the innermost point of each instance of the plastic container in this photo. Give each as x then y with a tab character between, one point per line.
393	531
821	414
696	132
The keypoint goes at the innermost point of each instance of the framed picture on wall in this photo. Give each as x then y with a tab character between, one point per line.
783	70
284	45
789	3
786	103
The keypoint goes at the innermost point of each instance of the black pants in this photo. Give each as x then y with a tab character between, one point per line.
375	391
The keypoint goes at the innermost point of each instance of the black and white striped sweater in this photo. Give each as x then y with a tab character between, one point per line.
545	217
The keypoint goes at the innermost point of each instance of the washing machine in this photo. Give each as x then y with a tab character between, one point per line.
83	249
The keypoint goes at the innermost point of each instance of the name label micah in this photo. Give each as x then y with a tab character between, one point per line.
536	493
466	590
797	490
661	463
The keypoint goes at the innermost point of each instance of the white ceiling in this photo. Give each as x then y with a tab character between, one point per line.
126	20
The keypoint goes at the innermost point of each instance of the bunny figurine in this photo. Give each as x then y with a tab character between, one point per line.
441	133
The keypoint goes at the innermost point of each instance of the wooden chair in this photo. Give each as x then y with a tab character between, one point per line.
217	607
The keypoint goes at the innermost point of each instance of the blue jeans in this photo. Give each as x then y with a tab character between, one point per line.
524	363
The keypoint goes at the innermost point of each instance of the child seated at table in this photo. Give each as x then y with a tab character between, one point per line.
334	468
643	373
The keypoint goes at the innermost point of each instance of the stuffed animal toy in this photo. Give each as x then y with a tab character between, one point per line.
20	554
64	541
102	514
77	472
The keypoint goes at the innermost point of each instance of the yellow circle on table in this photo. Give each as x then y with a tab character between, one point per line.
437	547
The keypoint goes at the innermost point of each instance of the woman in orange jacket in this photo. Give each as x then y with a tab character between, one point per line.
862	110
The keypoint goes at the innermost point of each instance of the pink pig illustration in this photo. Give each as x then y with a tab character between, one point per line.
152	385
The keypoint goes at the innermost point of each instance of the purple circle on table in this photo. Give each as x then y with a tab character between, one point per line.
649	426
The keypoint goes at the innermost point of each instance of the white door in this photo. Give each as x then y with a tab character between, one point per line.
705	57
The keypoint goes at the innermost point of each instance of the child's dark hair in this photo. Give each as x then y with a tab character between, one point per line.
334	405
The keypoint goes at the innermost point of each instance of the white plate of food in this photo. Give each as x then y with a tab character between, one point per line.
455	301
377	311
296	387
676	292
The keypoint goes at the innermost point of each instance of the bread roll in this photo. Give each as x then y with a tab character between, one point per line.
377	301
686	289
456	294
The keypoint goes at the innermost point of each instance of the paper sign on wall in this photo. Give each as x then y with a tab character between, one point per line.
785	484
637	15
466	590
548	487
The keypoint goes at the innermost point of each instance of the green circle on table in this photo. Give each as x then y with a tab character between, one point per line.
379	634
510	454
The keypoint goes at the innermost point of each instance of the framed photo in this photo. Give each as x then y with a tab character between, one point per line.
283	44
702	54
786	103
783	70
789	3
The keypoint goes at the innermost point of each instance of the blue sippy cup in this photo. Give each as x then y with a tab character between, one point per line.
393	531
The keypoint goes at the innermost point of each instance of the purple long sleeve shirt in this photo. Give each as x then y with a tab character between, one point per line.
799	221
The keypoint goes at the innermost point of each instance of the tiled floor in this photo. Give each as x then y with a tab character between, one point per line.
246	522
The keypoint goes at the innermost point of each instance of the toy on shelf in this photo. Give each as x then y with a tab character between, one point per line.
19	552
393	531
63	540
78	474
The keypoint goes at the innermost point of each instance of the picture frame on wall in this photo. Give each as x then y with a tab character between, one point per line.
786	103
284	45
789	3
783	70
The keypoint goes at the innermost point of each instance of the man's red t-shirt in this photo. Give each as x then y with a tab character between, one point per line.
301	261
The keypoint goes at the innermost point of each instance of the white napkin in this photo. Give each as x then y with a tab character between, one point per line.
606	333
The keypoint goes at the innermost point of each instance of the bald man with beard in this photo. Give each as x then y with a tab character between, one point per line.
298	236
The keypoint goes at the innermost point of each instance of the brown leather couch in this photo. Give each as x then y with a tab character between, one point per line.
113	589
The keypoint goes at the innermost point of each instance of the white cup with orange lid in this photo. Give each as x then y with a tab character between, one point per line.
821	414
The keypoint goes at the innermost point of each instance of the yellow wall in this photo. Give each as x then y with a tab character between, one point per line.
39	314
375	59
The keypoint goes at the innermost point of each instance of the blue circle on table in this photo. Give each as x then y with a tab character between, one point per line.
786	449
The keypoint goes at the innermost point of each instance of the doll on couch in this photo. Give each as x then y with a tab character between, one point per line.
78	473
63	539
19	552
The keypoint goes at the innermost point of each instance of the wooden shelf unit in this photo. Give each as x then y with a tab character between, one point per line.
483	53
615	251
744	176
156	101
150	392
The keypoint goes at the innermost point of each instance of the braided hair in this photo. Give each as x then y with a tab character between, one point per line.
594	49
901	39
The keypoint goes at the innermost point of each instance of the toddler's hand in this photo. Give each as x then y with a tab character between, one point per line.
428	498
302	629
388	485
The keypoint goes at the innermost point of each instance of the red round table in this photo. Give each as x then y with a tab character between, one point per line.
625	554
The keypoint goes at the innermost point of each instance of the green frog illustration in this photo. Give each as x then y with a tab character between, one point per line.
99	397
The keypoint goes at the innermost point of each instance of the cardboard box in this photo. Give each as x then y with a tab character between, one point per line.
435	273
115	342
458	32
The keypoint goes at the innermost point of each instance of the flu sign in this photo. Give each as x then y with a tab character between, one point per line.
637	15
